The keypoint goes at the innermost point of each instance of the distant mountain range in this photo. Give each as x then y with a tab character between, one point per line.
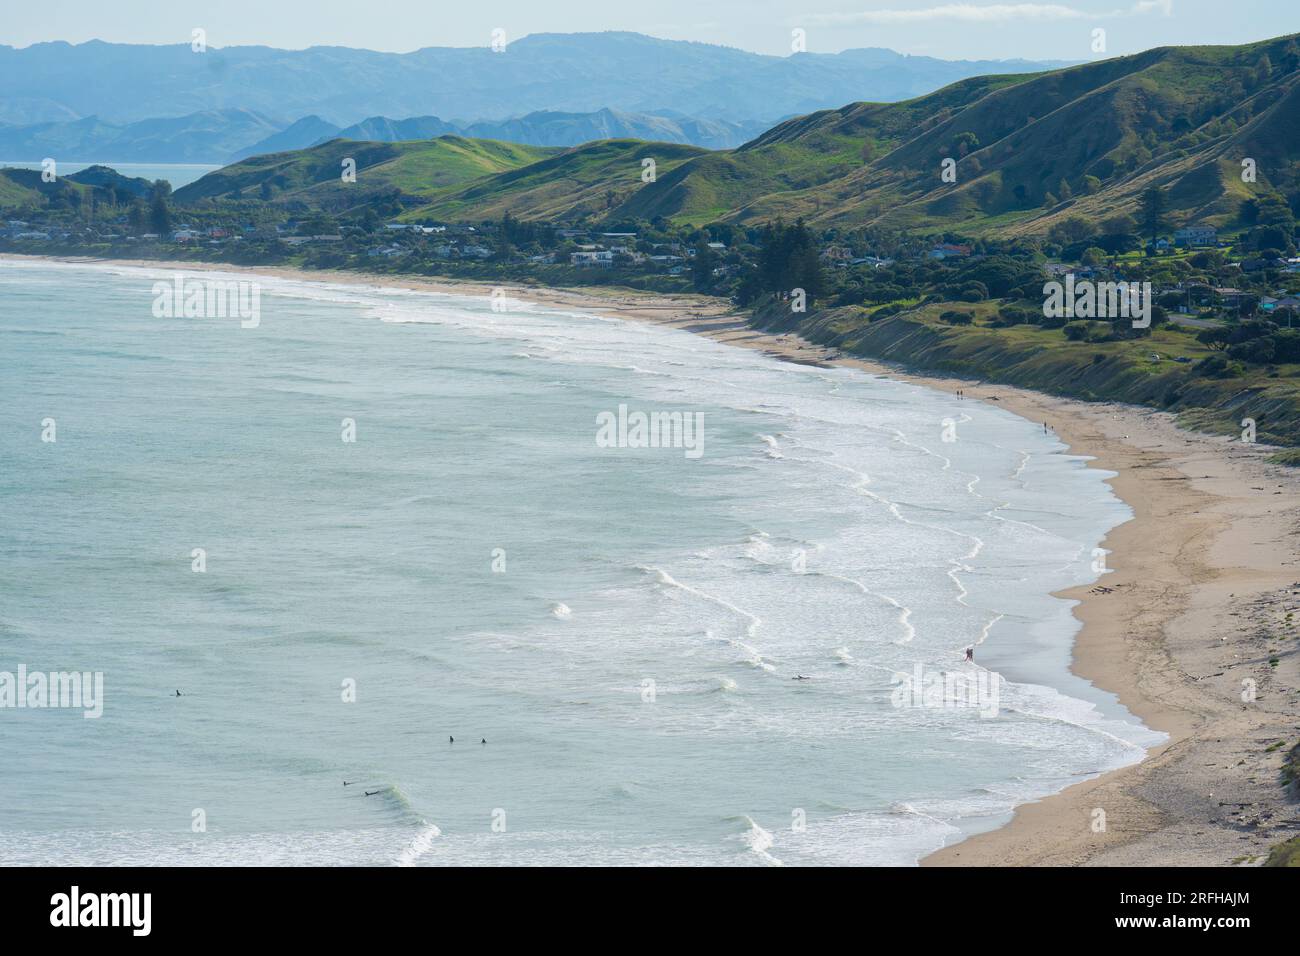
543	128
212	136
222	136
1029	151
569	73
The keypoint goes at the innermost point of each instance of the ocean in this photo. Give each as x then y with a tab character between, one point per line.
375	520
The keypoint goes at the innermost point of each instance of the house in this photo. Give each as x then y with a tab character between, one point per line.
299	240
1232	298
598	258
1060	270
947	250
1196	236
476	252
387	252
838	254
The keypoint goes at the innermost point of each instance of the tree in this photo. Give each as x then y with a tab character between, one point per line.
1263	71
702	266
160	217
965	143
789	260
1152	214
1071	229
1118	225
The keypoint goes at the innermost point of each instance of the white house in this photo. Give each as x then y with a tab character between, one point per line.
1197	236
600	258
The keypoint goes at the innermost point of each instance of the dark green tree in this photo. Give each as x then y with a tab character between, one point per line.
1152	212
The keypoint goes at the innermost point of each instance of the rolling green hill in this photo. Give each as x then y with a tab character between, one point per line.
412	171
1091	137
17	191
584	181
21	188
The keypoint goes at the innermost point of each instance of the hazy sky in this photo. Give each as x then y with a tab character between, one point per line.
960	29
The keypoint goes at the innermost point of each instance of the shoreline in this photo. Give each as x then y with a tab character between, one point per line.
1201	578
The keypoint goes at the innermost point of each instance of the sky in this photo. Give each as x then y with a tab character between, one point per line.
949	29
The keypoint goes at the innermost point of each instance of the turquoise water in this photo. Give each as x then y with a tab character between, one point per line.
826	531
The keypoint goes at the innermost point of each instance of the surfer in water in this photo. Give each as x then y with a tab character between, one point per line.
800	677
178	693
451	740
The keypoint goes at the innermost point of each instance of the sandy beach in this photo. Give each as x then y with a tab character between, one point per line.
1189	629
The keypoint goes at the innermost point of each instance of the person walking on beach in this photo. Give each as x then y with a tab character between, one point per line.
970	655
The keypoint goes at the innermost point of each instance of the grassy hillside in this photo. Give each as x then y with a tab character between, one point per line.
21	188
17	191
585	181
412	171
1157	371
784	171
1029	149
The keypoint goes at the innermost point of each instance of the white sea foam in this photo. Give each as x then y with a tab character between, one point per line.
420	844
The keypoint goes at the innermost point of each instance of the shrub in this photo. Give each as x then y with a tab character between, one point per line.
1217	366
1260	350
